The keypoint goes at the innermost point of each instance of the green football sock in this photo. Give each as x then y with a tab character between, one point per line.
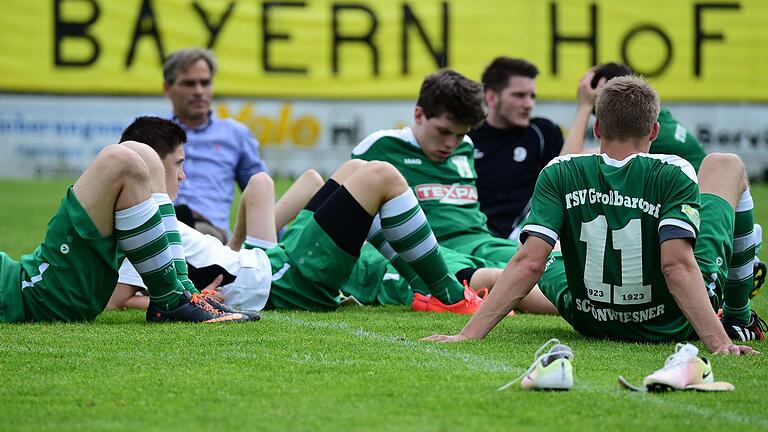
379	241
406	229
171	225
141	235
740	268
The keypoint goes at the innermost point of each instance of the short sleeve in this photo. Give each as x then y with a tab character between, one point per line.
547	212
681	207
250	161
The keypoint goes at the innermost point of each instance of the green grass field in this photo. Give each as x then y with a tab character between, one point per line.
361	368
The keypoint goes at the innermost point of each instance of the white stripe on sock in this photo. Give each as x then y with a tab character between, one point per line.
421	249
406	228
745	202
177	251
741	272
388	252
161	198
134	217
375	226
399	204
154	263
744	242
170	223
141	239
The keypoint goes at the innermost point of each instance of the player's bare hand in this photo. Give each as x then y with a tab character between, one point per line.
586	94
445	338
732	349
211	288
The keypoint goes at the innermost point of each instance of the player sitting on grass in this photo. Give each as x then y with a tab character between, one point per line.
316	257
627	222
257	210
672	139
108	214
437	159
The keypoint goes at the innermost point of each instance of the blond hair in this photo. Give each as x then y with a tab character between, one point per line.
626	107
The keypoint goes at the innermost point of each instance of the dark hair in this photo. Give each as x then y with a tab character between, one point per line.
610	71
450	92
183	58
161	134
496	75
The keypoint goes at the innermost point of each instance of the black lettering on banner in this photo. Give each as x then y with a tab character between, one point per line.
647	28
268	36
146	25
590	39
440	56
74	29
700	36
366	38
213	28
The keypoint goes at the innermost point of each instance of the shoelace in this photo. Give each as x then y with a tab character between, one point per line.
199	301
761	324
567	353
479	294
677	357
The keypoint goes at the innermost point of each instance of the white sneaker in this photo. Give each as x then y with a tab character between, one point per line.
549	371
681	370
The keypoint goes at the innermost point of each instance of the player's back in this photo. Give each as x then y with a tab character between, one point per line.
675	139
611	212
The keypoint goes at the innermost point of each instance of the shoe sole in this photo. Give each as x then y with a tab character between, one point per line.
718	386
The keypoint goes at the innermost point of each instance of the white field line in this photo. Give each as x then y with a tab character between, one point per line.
483	364
472	362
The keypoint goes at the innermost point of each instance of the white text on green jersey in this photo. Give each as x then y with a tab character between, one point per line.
613	197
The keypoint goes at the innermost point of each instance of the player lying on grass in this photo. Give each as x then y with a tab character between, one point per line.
316	256
107	215
627	222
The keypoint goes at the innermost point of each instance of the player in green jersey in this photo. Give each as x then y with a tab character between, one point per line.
108	214
673	137
437	159
627	223
319	251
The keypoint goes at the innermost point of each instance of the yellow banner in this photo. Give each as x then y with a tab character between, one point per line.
691	50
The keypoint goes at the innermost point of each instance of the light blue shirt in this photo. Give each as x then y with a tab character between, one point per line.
218	154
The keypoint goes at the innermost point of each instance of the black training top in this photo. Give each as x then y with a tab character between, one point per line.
508	163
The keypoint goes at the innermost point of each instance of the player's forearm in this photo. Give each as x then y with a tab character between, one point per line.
515	282
687	288
574	142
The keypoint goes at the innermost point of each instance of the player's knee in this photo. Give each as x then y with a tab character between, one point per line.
123	162
723	160
352	165
313	177
261	181
715	163
138	147
386	174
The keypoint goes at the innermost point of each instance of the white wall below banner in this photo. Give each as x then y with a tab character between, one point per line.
47	136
